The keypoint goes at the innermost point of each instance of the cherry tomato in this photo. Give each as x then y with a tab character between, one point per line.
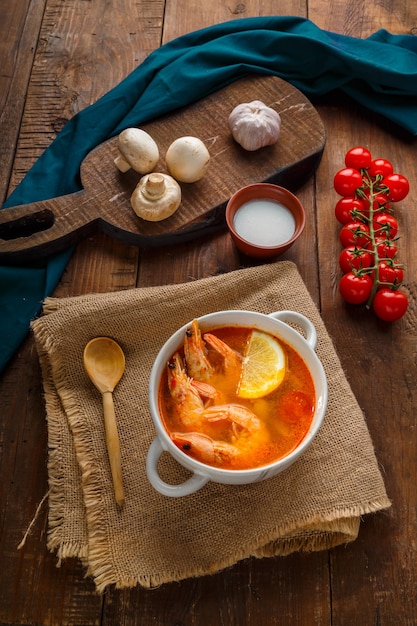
380	167
354	258
390	305
355	289
344	208
358	158
385	226
398	186
293	406
390	273
354	234
386	249
347	181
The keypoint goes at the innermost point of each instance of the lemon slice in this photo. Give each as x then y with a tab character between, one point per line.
263	367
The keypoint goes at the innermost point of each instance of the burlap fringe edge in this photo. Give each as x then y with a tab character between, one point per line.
55	541
277	543
50	305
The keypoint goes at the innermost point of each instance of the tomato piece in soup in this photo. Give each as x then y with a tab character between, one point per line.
295	407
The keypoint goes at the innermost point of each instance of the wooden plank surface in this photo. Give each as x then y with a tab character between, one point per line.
376	358
81	52
20	25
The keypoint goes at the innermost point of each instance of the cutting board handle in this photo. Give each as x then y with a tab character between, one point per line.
27	230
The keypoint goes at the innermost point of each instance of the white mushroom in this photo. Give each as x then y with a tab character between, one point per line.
156	197
137	151
187	159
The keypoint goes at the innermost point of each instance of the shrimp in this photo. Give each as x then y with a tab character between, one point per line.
245	425
232	359
198	365
204	448
187	401
248	436
189	396
232	362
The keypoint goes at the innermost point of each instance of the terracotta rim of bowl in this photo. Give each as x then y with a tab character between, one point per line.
269	191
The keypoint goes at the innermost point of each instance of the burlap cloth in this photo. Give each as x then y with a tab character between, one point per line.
313	505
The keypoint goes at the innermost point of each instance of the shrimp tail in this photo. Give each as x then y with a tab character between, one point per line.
204	389
222	348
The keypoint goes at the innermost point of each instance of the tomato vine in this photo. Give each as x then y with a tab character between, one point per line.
372	274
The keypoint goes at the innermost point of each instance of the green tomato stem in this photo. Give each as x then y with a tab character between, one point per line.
373	190
374	246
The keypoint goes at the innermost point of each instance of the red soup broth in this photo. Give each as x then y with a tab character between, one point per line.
282	418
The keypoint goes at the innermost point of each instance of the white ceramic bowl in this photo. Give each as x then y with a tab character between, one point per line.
275	323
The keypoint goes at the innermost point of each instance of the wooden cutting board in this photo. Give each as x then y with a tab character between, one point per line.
38	229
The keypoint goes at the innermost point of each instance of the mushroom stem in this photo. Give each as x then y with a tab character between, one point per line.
156	197
154	187
122	164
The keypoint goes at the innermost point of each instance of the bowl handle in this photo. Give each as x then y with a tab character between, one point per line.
292	317
175	491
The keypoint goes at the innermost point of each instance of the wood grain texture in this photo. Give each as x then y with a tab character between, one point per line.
20	24
182	17
83	51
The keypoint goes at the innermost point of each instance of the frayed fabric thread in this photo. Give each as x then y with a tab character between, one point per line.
34	520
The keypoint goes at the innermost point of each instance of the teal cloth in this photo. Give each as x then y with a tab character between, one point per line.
379	72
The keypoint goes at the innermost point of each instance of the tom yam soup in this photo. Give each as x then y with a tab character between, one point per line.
235	397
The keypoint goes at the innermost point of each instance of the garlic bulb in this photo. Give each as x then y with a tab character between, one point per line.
187	159
156	197
254	125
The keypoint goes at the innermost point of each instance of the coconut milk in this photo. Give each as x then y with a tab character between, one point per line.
264	222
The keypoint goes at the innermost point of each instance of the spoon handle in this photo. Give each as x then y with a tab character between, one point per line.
113	446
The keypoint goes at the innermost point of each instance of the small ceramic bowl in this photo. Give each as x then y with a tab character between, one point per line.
264	220
278	324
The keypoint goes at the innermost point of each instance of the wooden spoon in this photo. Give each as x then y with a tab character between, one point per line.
104	363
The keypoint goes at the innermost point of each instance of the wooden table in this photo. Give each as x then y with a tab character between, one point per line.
57	58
